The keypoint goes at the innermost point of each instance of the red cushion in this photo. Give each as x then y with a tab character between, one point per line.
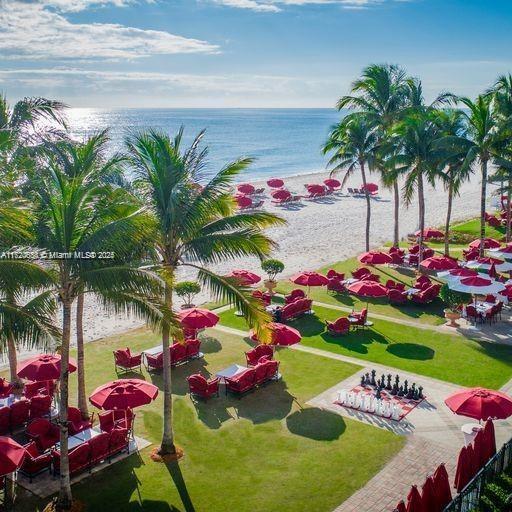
31	449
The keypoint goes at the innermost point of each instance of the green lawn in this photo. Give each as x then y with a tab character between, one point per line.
265	451
447	357
472	227
431	314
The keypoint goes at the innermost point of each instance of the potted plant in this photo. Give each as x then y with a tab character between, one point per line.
454	300
272	268
187	290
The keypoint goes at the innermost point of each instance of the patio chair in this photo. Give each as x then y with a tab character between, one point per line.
336	286
39	387
75	421
499	309
294	295
20	413
79	459
35	462
359	318
422	282
154	363
333	274
5	419
264	297
494	222
241	383
192	348
99	446
371	277
40	406
360	273
253	356
116	419
296	309
118	442
44	433
265	370
5	388
472	314
178	353
126	361
199	386
397	297
339	327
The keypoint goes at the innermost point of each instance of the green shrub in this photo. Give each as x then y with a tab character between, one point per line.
187	290
452	298
272	268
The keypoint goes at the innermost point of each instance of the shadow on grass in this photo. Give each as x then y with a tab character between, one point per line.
316	424
411	351
210	345
356	341
179	482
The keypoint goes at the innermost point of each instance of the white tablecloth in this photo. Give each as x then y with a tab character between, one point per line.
231	371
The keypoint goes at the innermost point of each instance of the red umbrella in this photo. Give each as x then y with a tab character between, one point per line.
489	243
464	471
246	188
315	188
275	183
400	507
309	279
430	233
442	487
371	187
414	501
43	367
487	260
11	455
280	194
439	263
196	318
284	335
245	277
480	404
123	394
368	289
428	495
243	201
492	271
332	183
479	450
375	258
463	272
489	440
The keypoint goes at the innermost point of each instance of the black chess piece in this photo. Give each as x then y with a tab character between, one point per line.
394	389
367	378
401	391
406	386
397	380
414	391
377	394
388	385
363	380
372	380
420	393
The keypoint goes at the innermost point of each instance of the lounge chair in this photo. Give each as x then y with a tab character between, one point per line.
44	433
294	295
242	383
294	310
358	319
397	297
339	327
253	356
125	361
35	461
201	387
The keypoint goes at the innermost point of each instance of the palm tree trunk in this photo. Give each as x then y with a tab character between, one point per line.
396	233
65	498
368	206
13	359
483	198
448	219
80	358
421	204
509	191
167	446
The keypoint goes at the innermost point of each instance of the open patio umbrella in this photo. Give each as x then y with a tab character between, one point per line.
489	243
442	487
246	188
197	318
243	201
281	193
477	286
428	495
368	289
275	183
457	274
245	277
315	188
43	367
309	279
284	335
502	252
480	404
414	501
400	507
375	258
123	394
439	263
486	263
371	187
332	183
464	471
11	455
489	439
430	233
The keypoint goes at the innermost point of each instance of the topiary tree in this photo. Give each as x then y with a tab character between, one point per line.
272	268
453	299
187	290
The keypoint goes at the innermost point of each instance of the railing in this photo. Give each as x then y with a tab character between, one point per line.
469	498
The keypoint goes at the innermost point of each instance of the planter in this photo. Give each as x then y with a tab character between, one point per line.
270	285
452	316
188	306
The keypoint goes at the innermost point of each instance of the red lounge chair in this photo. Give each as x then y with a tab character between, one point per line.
339	327
79	459
494	222
422	282
426	295
5	420
336	286
242	383
397	297
44	433
264	297
20	412
192	348
360	273
118	441
265	370
189	333
5	388
178	353
126	361
359	317
34	462
40	406
316	191
40	387
332	274
295	309
294	295
154	363
201	387
397	259
99	448
75	421
254	355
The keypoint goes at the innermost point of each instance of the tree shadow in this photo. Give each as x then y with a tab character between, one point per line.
210	345
356	341
411	351
317	424
181	486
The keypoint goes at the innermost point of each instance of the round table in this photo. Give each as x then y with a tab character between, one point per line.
470	430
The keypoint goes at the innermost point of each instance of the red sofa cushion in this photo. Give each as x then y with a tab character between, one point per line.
178	353
99	447
20	412
40	406
192	347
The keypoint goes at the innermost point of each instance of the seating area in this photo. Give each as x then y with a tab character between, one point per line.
251	378
180	353
293	310
125	361
19	412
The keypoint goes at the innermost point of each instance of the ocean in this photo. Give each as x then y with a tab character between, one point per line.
283	142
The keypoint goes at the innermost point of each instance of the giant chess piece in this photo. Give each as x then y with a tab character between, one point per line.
410	393
378	394
394	389
406	386
372	380
388	385
414	391
397	380
401	391
383	381
367	379
420	393
363	380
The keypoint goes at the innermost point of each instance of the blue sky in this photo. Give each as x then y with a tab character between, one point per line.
243	53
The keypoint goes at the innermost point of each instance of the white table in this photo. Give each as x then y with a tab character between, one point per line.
6	402
470	430
231	371
153	351
413	291
80	438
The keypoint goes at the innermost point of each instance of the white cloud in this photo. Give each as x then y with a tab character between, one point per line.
277	5
39	30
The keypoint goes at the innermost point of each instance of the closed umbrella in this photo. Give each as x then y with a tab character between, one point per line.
43	367
430	233
375	258
442	487
309	279
414	501
400	507
11	455
489	243
197	318
463	473
439	263
489	439
428	496
246	188
275	183
479	450
368	289
123	394
480	404
245	277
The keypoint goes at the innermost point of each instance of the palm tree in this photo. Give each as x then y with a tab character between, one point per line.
196	227
381	94
353	143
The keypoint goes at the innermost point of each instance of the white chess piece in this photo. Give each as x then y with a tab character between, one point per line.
364	403
387	410
397	412
342	396
378	406
371	404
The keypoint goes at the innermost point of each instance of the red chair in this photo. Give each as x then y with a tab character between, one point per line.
20	412
5	419
99	447
490	298
472	314
371	277
119	441
422	282
154	363
335	285
272	368
359	318
178	353
264	297
5	388
427	253
242	383
254	355
75	421
339	327
332	274
40	406
34	462
201	387
294	295
189	333
39	387
397	297
360	273
494	222
390	284
79	459
116	419
192	348
295	309
44	433
126	361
